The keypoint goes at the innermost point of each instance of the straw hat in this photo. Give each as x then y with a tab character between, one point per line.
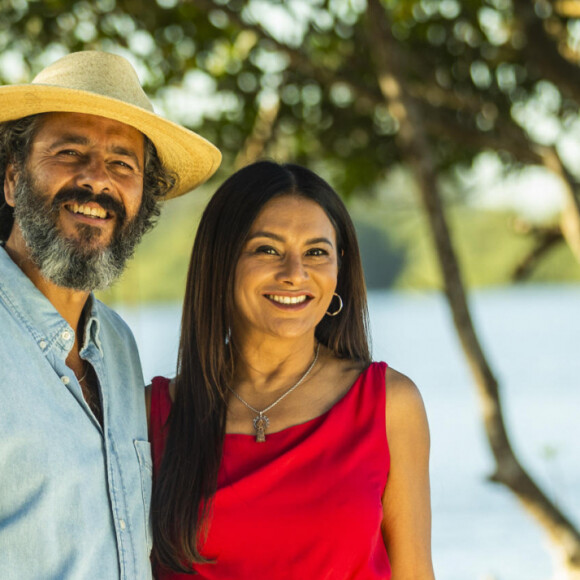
104	84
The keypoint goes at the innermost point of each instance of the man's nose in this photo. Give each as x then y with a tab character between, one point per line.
95	176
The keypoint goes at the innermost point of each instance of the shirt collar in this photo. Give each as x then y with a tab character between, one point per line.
31	307
92	324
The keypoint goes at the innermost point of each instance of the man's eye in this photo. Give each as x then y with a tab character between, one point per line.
123	165
69	152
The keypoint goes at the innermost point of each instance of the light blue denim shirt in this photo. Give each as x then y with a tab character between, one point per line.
74	497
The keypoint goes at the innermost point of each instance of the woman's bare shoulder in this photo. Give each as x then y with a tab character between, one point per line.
403	398
399	385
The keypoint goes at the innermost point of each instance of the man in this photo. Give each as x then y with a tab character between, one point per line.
84	162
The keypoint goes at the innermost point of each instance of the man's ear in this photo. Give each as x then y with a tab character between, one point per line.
10	181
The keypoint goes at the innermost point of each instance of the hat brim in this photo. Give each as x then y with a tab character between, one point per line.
189	156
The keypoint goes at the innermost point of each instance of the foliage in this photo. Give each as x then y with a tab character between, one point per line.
297	77
478	75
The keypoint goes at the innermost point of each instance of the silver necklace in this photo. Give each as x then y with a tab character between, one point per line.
261	421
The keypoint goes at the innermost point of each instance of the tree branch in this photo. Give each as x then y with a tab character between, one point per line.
441	119
546	239
570	216
257	141
509	137
542	49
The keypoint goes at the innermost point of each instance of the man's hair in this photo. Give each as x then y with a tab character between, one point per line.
16	138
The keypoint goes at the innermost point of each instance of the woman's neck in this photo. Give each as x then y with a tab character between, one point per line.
269	365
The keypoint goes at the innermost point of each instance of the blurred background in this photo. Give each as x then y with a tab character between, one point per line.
451	130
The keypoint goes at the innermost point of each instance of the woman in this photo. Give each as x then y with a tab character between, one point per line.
278	450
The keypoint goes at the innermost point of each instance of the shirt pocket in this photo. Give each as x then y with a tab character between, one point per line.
143	449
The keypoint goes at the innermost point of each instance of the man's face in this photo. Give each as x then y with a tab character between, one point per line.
77	202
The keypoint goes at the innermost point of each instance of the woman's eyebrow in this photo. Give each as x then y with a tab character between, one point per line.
278	238
321	240
264	234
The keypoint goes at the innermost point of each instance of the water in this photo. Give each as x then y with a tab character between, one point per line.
531	336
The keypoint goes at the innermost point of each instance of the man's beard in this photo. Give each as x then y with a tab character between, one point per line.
75	263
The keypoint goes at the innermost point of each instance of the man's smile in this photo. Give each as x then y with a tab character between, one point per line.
88	210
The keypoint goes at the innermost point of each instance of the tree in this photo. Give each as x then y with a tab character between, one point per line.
355	88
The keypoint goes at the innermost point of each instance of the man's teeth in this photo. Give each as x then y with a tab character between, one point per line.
98	212
287	299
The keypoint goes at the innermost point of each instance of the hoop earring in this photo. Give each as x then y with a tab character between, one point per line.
339	307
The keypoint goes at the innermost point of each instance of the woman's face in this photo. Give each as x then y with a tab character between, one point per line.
287	271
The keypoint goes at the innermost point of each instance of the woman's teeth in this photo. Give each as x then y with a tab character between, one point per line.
287	299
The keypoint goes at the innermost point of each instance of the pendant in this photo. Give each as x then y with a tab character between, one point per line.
261	423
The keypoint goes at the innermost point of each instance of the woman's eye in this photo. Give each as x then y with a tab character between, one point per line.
317	252
266	250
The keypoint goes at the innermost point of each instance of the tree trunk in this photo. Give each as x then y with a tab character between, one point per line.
417	153
570	218
255	145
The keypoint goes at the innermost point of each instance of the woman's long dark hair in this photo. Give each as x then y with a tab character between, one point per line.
187	479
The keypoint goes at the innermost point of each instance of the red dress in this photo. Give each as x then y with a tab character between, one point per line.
304	505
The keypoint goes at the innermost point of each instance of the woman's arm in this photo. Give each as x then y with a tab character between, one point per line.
406	500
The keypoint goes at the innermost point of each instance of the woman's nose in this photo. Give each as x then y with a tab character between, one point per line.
292	269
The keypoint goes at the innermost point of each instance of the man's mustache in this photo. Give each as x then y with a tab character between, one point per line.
82	196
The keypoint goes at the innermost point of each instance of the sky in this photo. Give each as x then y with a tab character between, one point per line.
535	193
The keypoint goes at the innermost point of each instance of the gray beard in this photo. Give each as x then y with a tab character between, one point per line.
72	263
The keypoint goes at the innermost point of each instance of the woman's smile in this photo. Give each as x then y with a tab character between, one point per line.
289	300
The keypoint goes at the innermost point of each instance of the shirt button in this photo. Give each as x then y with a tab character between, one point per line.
122	524
65	380
42	344
65	335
